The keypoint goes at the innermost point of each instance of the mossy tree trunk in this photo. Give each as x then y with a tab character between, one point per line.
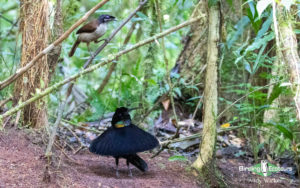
290	56
289	52
192	59
35	34
207	145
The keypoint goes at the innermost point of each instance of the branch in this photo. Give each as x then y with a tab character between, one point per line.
107	77
113	34
63	121
57	30
48	152
103	46
113	66
166	143
2	103
22	70
6	19
107	60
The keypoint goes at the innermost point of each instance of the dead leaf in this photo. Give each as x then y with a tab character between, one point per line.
186	123
166	104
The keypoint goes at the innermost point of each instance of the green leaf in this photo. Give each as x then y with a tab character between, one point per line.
287	133
193	87
247	67
240	26
194	98
137	19
277	90
151	81
141	15
257	61
178	158
264	28
258	43
177	91
297	31
240	153
252	8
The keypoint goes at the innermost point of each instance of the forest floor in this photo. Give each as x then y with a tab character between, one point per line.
22	165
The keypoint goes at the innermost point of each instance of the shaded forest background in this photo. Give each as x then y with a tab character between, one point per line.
257	71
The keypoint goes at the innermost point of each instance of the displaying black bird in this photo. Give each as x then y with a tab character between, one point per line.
124	140
91	31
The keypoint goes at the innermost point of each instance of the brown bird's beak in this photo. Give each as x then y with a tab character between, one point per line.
111	18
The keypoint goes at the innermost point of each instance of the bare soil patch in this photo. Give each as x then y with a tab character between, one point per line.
22	165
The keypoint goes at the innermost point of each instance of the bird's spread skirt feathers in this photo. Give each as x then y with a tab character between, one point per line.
123	141
137	162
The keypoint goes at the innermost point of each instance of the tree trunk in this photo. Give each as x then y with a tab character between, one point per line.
290	53
35	33
290	56
191	60
210	92
57	31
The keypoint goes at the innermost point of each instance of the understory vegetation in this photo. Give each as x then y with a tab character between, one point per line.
165	80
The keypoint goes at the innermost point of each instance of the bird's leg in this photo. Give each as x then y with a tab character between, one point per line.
117	166
129	169
88	46
97	41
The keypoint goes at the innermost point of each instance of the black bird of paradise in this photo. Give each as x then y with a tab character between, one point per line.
124	140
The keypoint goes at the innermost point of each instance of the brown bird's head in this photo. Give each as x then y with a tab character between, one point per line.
105	18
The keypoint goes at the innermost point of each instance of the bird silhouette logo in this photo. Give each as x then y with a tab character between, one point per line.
264	167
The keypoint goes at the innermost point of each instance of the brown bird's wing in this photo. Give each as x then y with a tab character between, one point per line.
89	27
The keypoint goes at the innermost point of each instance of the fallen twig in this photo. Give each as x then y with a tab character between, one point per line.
62	150
17	118
6	121
48	152
166	143
74	134
79	126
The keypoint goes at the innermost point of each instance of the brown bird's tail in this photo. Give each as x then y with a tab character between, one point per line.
75	45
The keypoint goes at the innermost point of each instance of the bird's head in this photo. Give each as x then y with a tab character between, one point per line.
121	118
105	18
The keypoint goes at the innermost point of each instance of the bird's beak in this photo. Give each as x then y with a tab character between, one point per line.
112	18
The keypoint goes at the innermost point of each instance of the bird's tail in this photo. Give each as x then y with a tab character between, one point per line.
137	162
75	45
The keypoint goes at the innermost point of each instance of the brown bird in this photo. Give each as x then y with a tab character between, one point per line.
91	31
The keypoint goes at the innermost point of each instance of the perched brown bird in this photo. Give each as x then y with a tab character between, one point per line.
91	31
